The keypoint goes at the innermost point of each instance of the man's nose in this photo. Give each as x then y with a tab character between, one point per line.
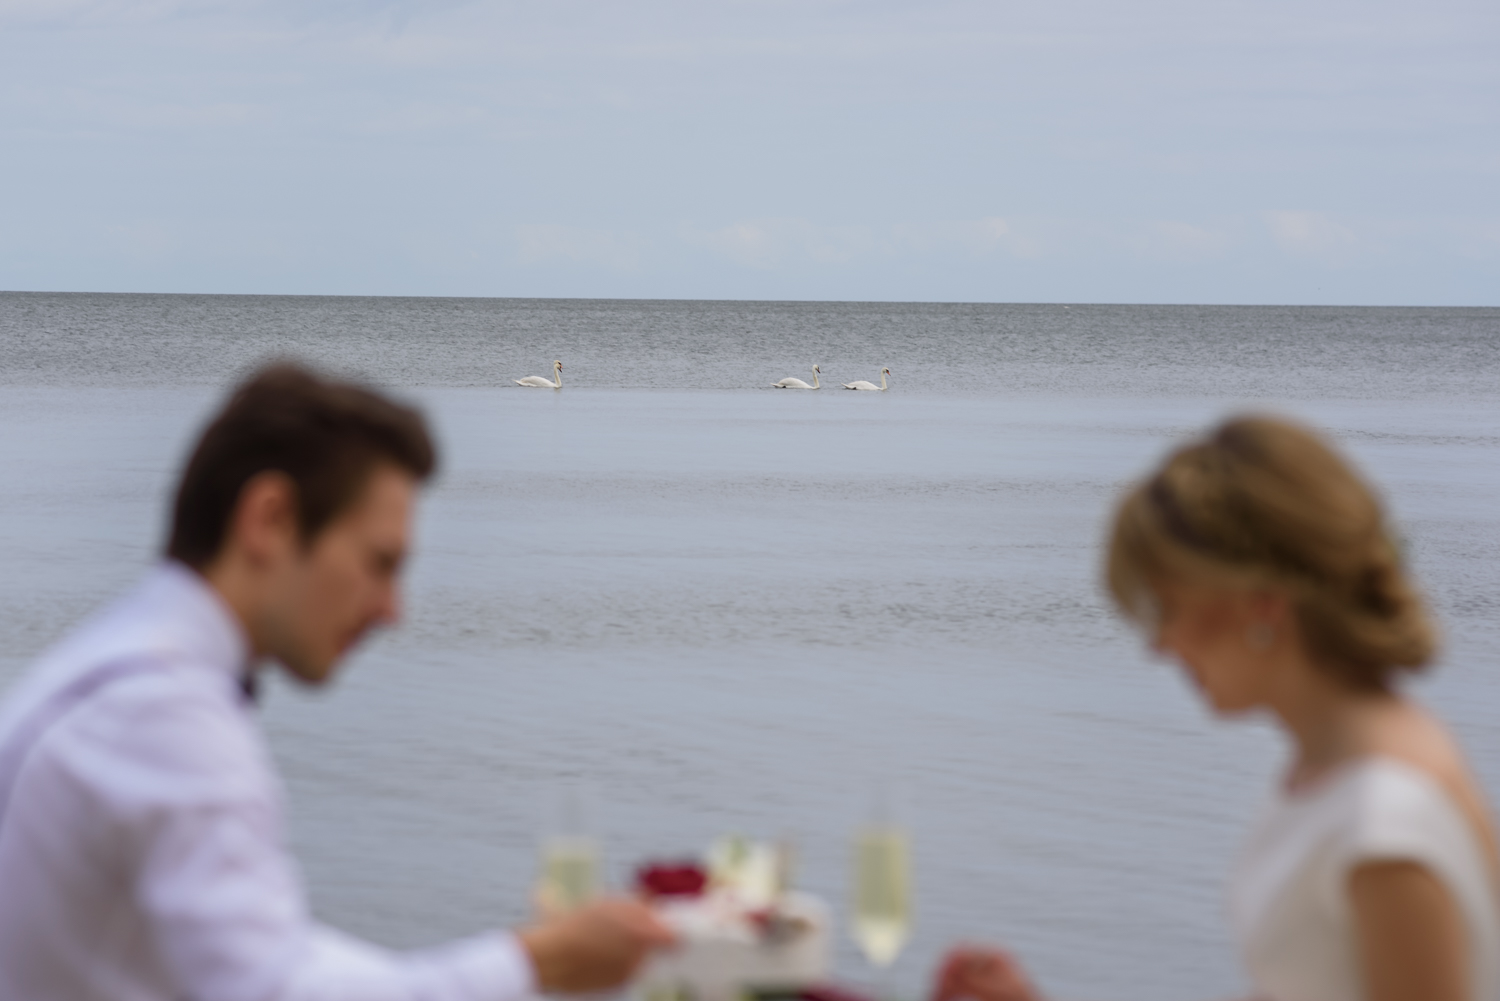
390	607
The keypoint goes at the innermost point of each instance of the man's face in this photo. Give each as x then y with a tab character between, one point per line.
333	591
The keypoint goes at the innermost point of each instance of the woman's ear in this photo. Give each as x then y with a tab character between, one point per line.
1269	607
1267	617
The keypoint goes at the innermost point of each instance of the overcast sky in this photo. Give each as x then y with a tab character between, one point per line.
1267	151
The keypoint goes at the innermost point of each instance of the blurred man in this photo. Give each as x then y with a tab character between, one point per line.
141	843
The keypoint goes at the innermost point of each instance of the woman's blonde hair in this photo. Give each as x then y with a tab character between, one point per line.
1262	502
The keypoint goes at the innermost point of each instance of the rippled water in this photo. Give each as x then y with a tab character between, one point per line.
735	608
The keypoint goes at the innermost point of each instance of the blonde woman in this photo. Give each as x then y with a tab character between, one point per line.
1261	562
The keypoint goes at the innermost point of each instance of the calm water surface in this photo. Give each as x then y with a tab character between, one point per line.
731	608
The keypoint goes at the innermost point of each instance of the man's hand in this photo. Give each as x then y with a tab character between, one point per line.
975	973
595	948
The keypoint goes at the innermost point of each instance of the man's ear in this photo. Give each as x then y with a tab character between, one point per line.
264	526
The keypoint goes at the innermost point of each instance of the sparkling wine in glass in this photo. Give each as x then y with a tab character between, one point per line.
570	860
882	892
570	872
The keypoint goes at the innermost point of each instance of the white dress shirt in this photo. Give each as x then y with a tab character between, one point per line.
141	848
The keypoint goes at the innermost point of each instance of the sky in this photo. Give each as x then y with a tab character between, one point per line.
1199	151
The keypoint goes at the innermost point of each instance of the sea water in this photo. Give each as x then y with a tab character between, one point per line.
735	609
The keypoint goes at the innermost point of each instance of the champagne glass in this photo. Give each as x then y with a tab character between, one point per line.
881	921
570	855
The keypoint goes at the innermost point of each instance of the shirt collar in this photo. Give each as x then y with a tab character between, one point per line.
203	623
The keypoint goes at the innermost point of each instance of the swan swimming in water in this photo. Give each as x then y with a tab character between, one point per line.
862	384
538	381
790	383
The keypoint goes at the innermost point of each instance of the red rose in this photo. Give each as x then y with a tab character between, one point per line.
829	992
671	879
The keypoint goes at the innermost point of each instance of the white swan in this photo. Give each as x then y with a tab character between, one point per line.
540	383
862	384
798	383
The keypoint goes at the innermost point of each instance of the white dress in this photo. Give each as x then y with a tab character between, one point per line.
1290	900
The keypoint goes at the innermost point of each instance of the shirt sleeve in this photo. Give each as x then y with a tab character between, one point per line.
199	821
228	915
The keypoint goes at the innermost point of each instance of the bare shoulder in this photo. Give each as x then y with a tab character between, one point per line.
1406	731
1412	735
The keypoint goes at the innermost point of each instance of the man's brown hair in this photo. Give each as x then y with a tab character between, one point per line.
323	434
